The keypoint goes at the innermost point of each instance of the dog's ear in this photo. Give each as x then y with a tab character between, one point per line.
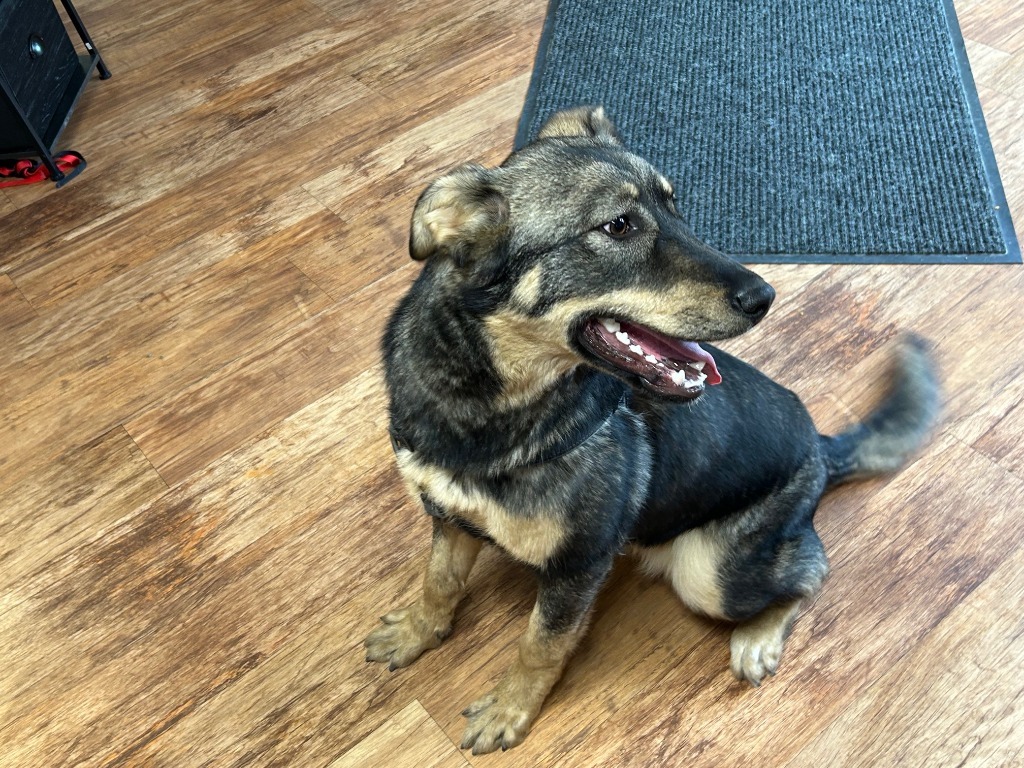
584	122
460	213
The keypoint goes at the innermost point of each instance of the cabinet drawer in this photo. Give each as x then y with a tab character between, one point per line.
37	58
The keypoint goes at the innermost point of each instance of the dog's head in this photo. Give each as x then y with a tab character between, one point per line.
572	251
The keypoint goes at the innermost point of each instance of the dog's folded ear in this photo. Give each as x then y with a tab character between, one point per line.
459	214
582	122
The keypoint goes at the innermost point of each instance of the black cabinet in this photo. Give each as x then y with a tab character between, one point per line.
41	77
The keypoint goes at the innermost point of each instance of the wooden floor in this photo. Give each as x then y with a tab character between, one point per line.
199	515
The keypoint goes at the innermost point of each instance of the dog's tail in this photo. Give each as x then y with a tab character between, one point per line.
897	427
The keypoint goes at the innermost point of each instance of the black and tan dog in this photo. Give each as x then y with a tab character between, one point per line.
548	396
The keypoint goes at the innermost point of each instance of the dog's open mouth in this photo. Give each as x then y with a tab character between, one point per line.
665	365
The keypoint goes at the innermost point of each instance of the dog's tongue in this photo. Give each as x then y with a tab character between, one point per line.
693	351
675	349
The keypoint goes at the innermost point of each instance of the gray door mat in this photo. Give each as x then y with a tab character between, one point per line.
836	131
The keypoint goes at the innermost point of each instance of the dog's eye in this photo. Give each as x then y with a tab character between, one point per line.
618	227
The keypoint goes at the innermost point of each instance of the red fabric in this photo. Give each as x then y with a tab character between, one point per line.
18	172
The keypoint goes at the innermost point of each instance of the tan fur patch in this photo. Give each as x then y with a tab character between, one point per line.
530	354
664	310
531	539
581	121
452	555
691	563
527	290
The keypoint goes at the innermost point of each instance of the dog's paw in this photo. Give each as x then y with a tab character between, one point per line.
496	720
757	644
405	635
756	650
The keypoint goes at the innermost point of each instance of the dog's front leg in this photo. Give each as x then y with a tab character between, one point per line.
503	717
425	624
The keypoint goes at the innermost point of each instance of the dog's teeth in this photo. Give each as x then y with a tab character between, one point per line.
636	349
650	358
623	337
698	366
678	377
701	378
610	325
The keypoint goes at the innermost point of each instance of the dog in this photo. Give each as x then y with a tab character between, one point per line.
552	393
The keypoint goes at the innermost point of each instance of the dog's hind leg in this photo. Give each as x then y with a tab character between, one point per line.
502	718
425	624
764	588
757	567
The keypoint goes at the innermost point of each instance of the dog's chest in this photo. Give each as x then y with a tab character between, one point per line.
532	536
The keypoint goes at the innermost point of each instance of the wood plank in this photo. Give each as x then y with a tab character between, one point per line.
82	325
343	253
1002	114
6	206
52	280
998	23
409	161
85	489
409	739
842	316
75	391
425	43
218	136
163	612
216	415
501	61
335	698
986	63
994	69
963	711
1004	441
413	25
189	42
15	311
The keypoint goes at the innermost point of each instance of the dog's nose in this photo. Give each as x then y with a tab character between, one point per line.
754	299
